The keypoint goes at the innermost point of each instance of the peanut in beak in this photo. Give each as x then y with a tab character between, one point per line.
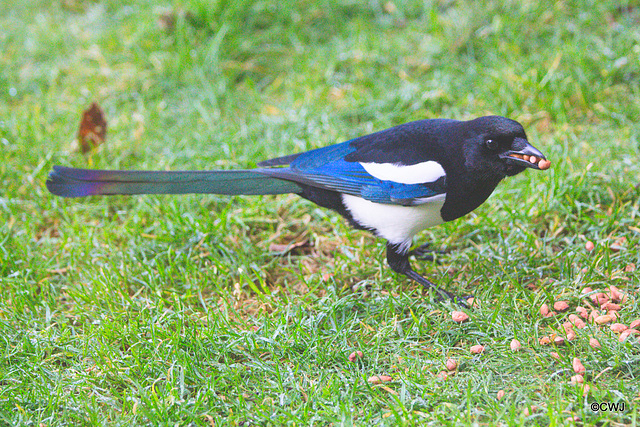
543	164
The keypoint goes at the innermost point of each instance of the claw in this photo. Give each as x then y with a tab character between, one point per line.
458	300
423	252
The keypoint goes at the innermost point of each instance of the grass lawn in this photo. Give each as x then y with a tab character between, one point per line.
177	310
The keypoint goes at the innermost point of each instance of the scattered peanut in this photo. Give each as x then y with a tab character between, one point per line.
618	327
477	349
603	319
451	364
616	295
594	343
544	310
601	298
610	306
583	312
515	345
576	321
500	394
625	334
578	367
577	379
589	246
355	355
568	326
378	379
561	306
459	316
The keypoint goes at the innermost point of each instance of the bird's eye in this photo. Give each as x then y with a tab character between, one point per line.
491	144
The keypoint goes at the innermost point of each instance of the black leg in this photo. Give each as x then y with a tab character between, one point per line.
398	259
424	253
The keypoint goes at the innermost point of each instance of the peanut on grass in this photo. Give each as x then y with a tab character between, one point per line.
577	379
379	379
443	375
561	306
618	327
355	355
627	333
459	316
544	310
578	367
610	306
603	319
477	349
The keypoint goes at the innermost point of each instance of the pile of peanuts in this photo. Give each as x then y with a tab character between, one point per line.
603	310
598	308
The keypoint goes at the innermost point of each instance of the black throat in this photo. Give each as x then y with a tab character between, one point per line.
464	194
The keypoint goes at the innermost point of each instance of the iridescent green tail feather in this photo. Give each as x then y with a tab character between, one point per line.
71	182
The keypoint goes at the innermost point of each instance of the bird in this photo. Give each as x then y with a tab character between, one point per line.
394	183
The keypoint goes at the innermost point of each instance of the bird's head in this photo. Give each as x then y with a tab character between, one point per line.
499	146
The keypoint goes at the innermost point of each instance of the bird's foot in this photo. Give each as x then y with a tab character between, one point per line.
456	299
464	301
423	252
442	295
399	262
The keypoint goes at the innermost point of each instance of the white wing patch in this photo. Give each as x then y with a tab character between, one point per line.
414	174
397	224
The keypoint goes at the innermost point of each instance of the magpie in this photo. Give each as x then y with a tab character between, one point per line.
393	183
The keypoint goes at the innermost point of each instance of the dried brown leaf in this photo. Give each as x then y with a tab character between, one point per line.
93	128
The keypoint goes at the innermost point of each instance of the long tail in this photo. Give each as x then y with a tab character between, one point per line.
71	182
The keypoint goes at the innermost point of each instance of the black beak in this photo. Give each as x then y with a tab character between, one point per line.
525	154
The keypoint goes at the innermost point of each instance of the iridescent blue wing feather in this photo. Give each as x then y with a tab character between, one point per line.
327	168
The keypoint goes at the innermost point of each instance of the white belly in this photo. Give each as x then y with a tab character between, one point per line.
397	224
